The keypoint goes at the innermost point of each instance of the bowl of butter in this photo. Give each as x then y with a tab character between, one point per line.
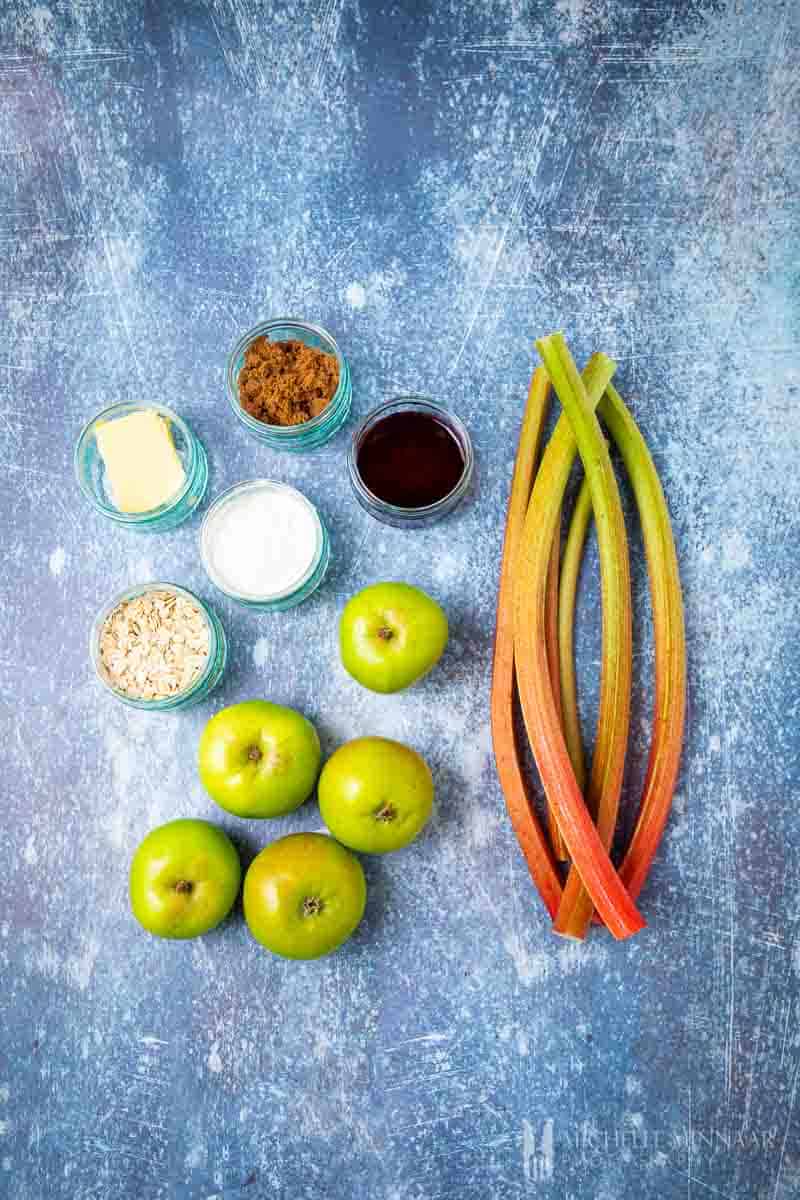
141	466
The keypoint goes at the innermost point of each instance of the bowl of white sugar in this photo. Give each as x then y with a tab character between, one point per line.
264	544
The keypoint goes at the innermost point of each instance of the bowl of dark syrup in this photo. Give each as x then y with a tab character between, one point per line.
410	462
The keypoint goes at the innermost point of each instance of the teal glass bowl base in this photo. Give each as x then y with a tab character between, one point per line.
92	479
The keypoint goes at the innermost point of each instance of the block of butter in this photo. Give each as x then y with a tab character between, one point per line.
143	469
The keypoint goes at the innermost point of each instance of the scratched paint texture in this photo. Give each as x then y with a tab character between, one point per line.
438	183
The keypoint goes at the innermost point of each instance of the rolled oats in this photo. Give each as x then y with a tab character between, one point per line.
154	646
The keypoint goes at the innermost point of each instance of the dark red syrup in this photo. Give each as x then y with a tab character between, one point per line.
410	460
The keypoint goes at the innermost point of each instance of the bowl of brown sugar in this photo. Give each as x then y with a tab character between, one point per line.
289	384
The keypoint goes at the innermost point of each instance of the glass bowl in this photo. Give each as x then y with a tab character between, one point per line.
301	588
393	514
311	434
208	678
91	473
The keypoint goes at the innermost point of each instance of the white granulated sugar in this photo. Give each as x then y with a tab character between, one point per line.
262	542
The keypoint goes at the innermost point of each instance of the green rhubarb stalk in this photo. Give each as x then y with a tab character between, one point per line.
670	641
669	635
579	397
529	832
608	764
567	594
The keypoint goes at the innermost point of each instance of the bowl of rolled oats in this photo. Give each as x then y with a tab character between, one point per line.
158	647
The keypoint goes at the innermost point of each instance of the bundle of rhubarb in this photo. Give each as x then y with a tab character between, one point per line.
570	861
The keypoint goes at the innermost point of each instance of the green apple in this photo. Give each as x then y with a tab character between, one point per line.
259	759
304	895
375	795
390	635
184	879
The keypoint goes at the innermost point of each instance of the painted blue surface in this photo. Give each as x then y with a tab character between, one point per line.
438	184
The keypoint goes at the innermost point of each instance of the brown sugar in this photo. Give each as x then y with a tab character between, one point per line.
286	383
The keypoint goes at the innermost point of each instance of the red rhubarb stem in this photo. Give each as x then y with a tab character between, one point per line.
551	634
530	835
589	855
608	762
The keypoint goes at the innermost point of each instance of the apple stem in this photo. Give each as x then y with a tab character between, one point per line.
254	754
183	886
312	906
386	814
386	634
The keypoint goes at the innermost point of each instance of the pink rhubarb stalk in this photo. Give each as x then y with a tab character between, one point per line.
578	424
530	835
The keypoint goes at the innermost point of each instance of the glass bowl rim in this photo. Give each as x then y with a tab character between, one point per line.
258	330
411	401
149	513
129	593
223	498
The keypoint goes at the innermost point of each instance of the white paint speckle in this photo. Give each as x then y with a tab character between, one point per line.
261	652
115	827
355	295
47	961
57	560
196	1155
573	14
714	744
530	966
523	1043
44	24
5	1093
214	1060
735	552
448	566
6	1163
30	853
538	1154
80	967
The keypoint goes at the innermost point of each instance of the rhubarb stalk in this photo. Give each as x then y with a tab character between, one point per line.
670	638
670	641
529	832
567	593
551	634
608	763
579	397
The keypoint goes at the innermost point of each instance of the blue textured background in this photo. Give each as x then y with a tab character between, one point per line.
437	183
